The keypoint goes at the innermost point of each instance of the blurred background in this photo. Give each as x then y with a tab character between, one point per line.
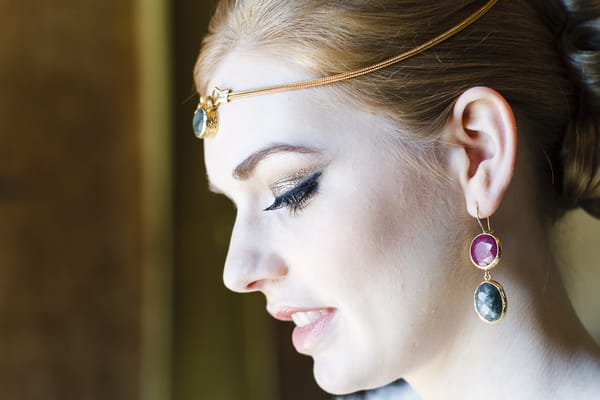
111	247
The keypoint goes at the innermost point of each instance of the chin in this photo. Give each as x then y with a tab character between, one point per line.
334	384
342	377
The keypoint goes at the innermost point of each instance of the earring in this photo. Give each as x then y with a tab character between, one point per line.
485	253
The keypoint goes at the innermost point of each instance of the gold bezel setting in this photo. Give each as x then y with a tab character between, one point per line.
502	296
209	123
495	261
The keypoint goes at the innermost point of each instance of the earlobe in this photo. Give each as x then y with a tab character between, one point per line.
482	139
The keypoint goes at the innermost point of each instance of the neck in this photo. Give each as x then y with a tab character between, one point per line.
538	350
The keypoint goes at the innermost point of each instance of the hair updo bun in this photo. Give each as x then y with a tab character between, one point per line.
581	145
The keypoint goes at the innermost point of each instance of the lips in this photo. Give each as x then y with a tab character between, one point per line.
312	324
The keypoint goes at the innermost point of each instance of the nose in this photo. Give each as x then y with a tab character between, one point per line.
250	263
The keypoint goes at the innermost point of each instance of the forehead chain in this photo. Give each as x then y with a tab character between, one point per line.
205	122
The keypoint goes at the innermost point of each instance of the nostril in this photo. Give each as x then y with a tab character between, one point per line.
249	271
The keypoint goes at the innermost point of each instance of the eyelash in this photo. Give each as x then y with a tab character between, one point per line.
296	198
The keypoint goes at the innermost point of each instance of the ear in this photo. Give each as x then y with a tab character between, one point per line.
482	138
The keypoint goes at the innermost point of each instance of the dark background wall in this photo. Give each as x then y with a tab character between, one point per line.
69	201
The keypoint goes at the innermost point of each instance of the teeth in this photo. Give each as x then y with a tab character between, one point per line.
306	318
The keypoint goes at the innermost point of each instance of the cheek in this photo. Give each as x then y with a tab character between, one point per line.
362	260
351	239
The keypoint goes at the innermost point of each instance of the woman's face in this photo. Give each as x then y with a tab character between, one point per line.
334	226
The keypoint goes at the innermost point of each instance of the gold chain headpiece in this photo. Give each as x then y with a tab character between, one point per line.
206	120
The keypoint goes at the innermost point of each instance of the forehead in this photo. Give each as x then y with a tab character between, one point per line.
251	69
314	118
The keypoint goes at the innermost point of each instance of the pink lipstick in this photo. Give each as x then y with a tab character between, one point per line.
311	324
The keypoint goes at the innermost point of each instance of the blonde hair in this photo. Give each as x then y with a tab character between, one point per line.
542	56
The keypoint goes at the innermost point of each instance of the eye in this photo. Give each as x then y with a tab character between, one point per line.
295	199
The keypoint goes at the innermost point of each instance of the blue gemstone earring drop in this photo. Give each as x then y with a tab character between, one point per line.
485	253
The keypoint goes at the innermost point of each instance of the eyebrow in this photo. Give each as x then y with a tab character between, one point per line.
246	167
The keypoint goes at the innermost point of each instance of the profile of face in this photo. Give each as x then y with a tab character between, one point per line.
335	226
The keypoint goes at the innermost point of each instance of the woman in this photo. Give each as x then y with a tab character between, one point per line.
373	207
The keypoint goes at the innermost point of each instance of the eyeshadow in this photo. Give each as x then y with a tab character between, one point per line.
291	181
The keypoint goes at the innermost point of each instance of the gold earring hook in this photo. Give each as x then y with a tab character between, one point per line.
489	229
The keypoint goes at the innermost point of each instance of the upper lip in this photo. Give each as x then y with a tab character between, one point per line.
284	313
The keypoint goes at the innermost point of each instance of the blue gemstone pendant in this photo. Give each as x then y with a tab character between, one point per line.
490	301
205	121
199	121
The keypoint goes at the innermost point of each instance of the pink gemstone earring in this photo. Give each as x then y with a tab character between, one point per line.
485	253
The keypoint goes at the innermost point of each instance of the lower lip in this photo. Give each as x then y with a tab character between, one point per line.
307	337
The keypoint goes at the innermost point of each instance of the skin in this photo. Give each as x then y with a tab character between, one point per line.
384	243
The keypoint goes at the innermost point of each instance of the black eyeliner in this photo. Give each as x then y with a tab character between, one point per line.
297	196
